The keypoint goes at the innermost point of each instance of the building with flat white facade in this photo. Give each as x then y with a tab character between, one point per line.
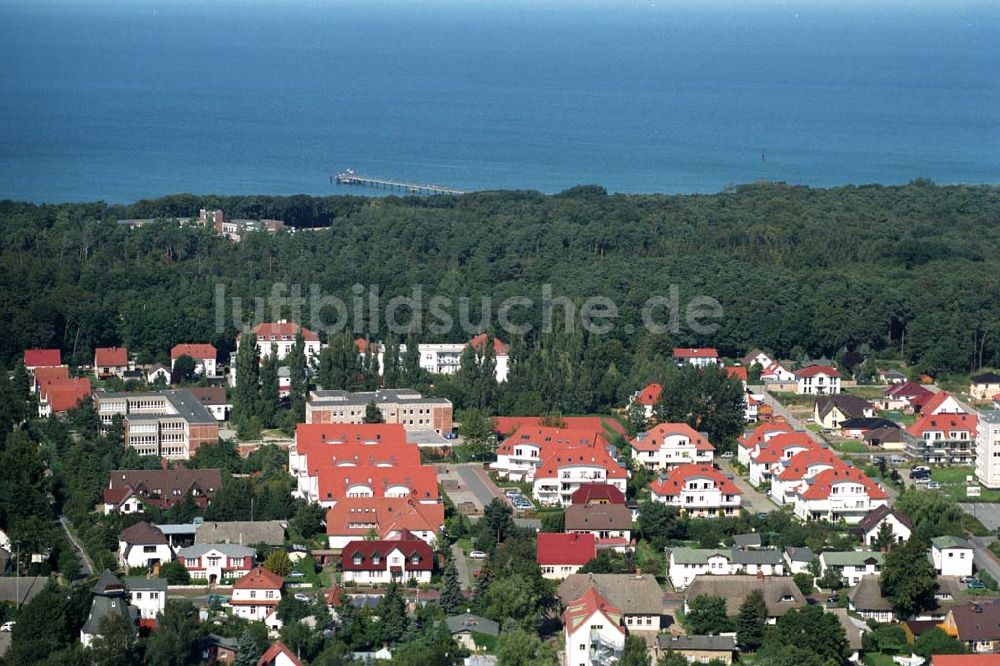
699	357
852	565
170	424
988	449
698	490
256	594
203	355
592	630
408	561
216	562
403	406
143	545
686	563
280	336
817	380
844	493
148	595
952	556
670	444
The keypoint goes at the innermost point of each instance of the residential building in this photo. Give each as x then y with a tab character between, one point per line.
280	336
738	372
701	491
565	469
647	398
213	398
866	600
417	482
817	380
610	524
279	654
638	596
952	556
445	358
698	649
780	593
45	375
670	444
699	357
215	649
852	565
769	458
406	560
143	545
844	493
403	406
108	600
984	386
907	396
988	449
217	562
944	438
797	560
522	453
250	532
158	373
41	358
977	624
684	564
942	402
256	594
60	396
560	555
355	518
129	489
757	357
831	410
592	630
857	428
111	362
170	424
899	523
148	596
505	426
791	474
751	441
597	493
776	373
204	356
889	439
465	627
748	540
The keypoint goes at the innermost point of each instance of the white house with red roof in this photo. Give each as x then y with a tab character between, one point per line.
670	444
647	398
842	493
592	630
279	654
699	357
110	362
751	441
942	402
42	358
520	454
444	358
60	396
817	380
560	555
791	473
775	373
565	469
406	560
356	518
281	335
944	438
699	490
204	356
216	562
906	396
256	594
770	456
416	482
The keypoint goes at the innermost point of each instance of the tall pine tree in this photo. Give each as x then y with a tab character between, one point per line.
751	621
246	392
452	600
299	377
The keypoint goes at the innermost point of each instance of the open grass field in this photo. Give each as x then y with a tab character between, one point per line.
953	483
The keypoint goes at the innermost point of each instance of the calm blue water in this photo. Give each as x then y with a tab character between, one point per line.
155	98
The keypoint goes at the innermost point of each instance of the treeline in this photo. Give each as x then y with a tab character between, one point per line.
907	271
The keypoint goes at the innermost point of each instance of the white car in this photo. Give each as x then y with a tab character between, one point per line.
933	485
477	555
7	626
302	597
727	455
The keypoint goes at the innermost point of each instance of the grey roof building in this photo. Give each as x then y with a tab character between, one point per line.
751	540
780	592
266	532
631	594
467	622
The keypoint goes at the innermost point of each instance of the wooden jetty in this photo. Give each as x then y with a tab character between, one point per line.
351	178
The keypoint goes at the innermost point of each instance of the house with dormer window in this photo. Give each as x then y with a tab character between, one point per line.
405	560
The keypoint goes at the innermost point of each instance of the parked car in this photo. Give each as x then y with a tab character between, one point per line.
296	574
7	626
975	584
933	485
450	435
477	555
922	480
727	455
216	598
512	493
299	596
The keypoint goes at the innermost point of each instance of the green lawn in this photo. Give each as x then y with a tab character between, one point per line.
867	391
878	659
900	418
953	483
849	446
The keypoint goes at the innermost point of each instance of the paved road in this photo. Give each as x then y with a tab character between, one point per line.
478	481
462	567
983	558
987	514
754	501
86	566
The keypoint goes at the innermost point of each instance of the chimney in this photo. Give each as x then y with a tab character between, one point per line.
638	573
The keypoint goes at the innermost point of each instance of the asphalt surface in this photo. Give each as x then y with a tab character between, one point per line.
983	558
86	566
479	483
754	501
462	567
987	514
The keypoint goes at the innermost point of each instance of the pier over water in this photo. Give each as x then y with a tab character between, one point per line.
351	178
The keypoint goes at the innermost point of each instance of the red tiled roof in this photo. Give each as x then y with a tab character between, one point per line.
673	483
590	602
388	514
271	655
650	395
363	346
737	371
774	449
64	395
330	444
195	351
597	492
760	432
289	329
369	549
40	358
696	352
545	437
558	548
49	374
965	660
654	438
506	425
907	389
421	480
799	464
110	356
944	423
820	485
557	458
935	401
259	578
499	348
813	370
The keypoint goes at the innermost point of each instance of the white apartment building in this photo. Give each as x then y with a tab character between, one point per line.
988	449
170	424
670	444
149	595
698	490
817	380
686	563
952	556
852	564
256	594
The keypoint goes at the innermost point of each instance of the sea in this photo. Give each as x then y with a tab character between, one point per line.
124	100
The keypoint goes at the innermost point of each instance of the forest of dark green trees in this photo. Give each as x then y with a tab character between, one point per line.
911	272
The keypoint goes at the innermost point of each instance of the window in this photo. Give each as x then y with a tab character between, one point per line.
357	559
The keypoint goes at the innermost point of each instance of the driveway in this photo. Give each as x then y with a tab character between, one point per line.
479	483
987	514
86	566
754	501
462	567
